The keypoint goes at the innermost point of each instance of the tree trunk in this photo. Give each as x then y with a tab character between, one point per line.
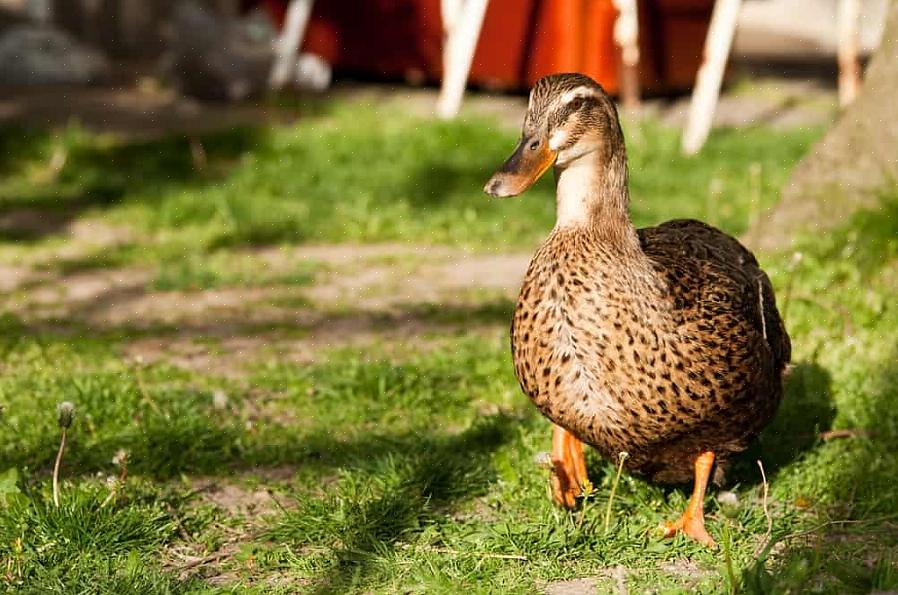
851	165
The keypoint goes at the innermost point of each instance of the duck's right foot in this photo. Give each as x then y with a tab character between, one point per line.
568	468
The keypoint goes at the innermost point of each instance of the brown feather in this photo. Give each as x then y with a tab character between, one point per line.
662	343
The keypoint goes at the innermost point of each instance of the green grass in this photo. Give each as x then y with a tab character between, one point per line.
412	472
384	176
225	269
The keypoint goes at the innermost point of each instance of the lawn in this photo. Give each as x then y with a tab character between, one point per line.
235	431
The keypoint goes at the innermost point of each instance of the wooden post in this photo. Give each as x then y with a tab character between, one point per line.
449	11
298	13
461	32
849	65
626	35
710	74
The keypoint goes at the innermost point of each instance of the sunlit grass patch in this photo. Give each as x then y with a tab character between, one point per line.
408	469
383	175
83	541
221	269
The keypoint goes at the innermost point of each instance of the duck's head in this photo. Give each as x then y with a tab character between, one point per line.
569	116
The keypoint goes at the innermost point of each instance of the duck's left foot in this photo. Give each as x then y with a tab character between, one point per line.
692	526
568	468
692	523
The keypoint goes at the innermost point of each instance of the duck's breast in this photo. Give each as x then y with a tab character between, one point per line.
574	340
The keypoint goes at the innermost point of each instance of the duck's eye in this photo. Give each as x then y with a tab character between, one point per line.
534	145
576	103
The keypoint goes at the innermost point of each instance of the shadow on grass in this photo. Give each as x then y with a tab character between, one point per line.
171	428
414	319
435	182
398	483
806	410
98	175
854	546
428	474
849	541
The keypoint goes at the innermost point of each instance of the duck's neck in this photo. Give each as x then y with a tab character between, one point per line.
592	193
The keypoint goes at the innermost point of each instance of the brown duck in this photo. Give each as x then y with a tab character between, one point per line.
664	342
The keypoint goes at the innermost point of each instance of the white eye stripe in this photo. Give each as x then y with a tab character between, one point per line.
558	139
579	92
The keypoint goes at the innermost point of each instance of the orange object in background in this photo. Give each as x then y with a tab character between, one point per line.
521	40
518	46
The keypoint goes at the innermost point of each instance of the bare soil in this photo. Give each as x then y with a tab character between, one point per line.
400	297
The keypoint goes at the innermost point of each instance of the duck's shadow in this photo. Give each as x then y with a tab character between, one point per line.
807	410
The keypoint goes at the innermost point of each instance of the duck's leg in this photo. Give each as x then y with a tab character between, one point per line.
576	448
692	523
568	467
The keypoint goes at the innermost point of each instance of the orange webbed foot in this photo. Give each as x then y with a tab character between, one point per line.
691	526
692	522
568	468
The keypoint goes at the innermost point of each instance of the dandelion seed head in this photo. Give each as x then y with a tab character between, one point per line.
65	414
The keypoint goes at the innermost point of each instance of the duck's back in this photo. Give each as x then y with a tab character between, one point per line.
711	276
734	342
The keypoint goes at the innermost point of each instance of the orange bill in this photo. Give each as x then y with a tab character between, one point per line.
529	161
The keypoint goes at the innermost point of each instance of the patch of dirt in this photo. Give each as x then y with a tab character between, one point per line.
684	568
243	500
616	576
237	500
99	233
614	579
355	254
230	356
13	277
379	294
240	500
443	276
356	279
26	222
577	586
79	297
781	103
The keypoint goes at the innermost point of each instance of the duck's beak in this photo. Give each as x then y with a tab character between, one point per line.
530	160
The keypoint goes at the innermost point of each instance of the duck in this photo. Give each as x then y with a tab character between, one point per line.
662	346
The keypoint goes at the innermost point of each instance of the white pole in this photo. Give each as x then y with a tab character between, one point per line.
849	66
449	10
626	35
287	45
458	52
710	74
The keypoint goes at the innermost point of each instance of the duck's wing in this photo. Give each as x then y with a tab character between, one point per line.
713	279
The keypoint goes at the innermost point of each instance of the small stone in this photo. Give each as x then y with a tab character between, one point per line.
120	458
728	498
219	400
543	459
729	503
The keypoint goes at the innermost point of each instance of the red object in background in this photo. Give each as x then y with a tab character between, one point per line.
521	40
276	9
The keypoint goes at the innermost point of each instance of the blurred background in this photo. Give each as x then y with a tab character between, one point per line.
226	50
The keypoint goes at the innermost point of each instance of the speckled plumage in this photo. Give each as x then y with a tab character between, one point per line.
663	342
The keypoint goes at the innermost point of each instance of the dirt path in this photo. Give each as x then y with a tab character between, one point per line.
398	297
